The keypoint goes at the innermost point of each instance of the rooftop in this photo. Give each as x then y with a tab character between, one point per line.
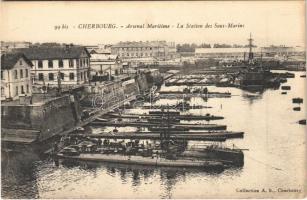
141	44
10	59
53	52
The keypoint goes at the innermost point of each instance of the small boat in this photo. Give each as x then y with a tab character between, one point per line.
303	76
302	122
286	87
283	92
69	151
80	129
101	119
297	100
297	108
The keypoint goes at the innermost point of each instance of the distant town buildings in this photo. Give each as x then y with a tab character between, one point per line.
9	46
15	76
68	64
283	52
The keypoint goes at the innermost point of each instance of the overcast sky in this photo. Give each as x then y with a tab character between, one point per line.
274	22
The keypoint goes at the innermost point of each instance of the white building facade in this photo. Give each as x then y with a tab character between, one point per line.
69	64
15	76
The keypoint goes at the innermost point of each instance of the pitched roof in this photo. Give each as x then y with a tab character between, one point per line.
9	60
53	52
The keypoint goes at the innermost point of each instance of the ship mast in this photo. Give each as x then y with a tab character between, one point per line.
250	45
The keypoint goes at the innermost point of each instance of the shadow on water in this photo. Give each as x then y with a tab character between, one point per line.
138	174
18	174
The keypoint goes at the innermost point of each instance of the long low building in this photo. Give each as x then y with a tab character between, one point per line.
224	53
276	52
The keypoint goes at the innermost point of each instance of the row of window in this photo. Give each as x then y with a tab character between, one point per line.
51	76
22	74
136	48
80	62
23	90
136	54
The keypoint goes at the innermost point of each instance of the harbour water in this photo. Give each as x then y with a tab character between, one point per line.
275	159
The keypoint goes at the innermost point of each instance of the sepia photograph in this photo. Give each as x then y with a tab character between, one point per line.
153	99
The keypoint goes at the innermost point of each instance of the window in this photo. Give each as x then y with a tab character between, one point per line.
16	74
16	90
40	64
20	62
27	73
27	88
60	63
2	76
22	90
50	64
81	76
71	62
127	54
40	76
62	76
78	62
21	73
88	62
51	76
2	91
71	76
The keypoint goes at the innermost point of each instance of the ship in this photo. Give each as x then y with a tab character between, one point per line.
252	76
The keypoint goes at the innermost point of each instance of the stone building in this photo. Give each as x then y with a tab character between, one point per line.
155	49
15	76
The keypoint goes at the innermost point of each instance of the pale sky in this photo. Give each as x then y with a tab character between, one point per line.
273	22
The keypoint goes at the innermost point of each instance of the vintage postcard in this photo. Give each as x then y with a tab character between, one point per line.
153	100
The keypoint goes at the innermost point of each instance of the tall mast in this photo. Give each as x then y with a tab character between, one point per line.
250	45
